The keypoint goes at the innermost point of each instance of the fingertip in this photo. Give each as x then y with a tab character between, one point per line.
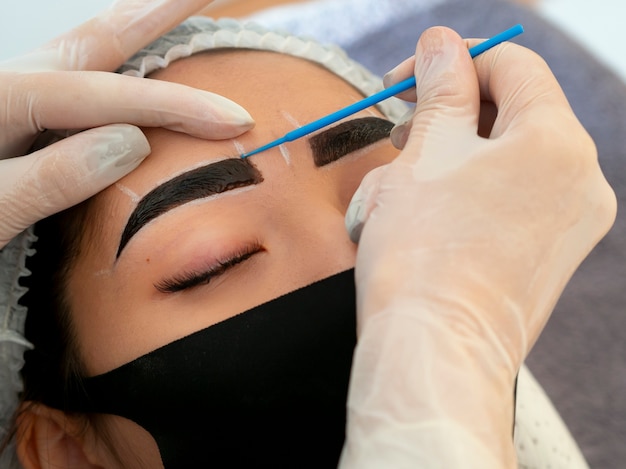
439	51
112	151
401	72
227	130
354	221
448	96
400	135
225	118
446	81
70	171
400	132
362	203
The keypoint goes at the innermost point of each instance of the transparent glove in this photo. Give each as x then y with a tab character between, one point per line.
468	239
57	87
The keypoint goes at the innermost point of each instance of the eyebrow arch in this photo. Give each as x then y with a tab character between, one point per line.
349	136
214	178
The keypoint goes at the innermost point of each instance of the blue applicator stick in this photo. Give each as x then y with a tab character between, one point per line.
378	97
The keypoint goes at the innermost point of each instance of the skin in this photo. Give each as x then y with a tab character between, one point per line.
296	214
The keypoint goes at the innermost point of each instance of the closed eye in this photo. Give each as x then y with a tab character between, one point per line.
347	137
188	280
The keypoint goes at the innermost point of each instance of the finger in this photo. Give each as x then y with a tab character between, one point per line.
523	89
405	70
50	180
449	101
109	39
69	100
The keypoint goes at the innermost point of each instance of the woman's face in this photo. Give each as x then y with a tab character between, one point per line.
262	229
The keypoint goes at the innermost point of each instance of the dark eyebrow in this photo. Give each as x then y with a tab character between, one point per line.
349	136
214	178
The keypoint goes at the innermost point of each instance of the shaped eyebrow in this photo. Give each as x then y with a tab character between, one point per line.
349	136
214	178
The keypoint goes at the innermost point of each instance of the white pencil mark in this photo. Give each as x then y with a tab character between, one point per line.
285	152
239	147
134	197
292	120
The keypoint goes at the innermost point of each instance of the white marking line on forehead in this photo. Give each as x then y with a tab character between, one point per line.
103	273
239	147
134	197
285	152
292	120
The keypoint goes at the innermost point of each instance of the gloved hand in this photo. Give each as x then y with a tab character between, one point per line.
56	87
467	242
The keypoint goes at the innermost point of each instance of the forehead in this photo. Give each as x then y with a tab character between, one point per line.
251	76
279	91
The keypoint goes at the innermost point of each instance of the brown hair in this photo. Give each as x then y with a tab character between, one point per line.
54	366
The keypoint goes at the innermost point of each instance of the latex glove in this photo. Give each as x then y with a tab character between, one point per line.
466	246
57	87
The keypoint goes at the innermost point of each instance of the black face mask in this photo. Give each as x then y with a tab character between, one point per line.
266	388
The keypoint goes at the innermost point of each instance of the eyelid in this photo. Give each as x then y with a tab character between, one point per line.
191	279
211	179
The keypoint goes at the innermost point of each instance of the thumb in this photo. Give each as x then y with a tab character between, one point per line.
61	175
448	99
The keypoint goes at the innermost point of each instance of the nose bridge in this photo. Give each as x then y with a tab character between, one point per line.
289	168
306	201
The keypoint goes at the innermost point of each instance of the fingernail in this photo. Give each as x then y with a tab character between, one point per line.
354	219
116	149
228	111
389	78
399	133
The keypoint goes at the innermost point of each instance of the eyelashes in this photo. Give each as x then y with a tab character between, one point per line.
348	137
188	280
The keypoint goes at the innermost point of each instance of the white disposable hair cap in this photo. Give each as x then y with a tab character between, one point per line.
200	34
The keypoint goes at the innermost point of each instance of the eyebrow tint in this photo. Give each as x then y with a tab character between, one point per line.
214	178
338	141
